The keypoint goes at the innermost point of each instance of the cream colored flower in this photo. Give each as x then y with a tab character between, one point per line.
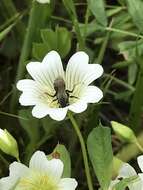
43	1
42	174
128	171
54	91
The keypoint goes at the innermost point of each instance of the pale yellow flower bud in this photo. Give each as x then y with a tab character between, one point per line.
43	1
124	132
8	144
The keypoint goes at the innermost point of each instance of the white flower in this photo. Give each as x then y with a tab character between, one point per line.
127	171
42	174
43	1
140	163
55	91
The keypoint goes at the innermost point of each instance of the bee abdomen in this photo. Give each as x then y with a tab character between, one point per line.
63	102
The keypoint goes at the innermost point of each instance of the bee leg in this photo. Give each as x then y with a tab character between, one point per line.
74	97
69	91
50	94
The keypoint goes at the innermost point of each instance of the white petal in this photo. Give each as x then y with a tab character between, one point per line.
140	162
27	99
40	111
67	184
58	113
26	84
136	185
75	66
52	168
79	71
43	1
30	93
17	170
52	62
126	171
92	94
46	72
113	183
92	72
78	107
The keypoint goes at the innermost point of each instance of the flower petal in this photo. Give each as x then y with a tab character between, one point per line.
126	171
140	162
46	72
78	107
75	66
30	93
53	168
40	111
79	71
136	185
91	73
92	94
67	184
17	170
113	183
58	113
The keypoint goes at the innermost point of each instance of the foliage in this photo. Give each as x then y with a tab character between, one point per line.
111	33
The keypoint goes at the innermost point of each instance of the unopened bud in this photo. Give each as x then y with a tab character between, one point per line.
8	144
123	132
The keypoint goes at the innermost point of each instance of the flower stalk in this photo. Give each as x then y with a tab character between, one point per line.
83	148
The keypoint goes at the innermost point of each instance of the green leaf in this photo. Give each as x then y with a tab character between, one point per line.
69	5
132	73
135	8
64	41
100	153
30	125
61	152
125	182
40	50
59	40
4	33
49	38
131	49
98	9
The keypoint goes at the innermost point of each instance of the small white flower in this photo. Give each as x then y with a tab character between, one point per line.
55	91
43	1
127	171
42	174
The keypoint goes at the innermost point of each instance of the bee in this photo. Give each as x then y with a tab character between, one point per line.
62	95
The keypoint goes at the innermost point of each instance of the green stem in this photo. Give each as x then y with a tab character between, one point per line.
12	115
10	10
137	103
124	32
18	159
120	82
86	21
83	148
139	146
104	45
79	36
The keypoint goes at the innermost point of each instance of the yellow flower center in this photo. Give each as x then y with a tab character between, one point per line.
36	181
